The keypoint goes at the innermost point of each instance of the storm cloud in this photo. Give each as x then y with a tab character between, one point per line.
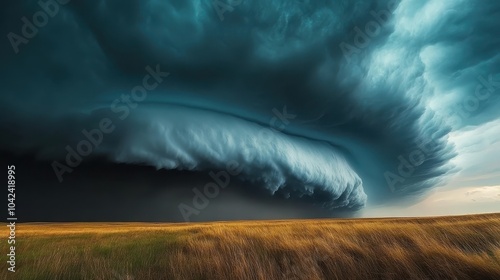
337	103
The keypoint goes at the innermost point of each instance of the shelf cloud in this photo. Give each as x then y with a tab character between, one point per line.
336	103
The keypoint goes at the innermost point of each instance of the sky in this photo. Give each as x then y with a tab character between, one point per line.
207	110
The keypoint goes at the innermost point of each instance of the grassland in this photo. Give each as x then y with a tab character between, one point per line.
462	247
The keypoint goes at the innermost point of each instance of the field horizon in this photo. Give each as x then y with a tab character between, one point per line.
446	247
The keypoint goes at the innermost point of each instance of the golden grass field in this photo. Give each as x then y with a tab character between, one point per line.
461	247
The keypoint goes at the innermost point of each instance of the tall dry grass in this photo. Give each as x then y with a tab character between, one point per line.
465	247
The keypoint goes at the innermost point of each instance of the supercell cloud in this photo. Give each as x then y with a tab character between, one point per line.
337	103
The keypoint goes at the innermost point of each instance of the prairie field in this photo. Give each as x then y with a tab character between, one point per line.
455	247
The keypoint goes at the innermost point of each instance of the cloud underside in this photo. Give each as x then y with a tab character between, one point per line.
339	102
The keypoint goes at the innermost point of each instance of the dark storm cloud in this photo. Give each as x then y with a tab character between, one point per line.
103	191
372	106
